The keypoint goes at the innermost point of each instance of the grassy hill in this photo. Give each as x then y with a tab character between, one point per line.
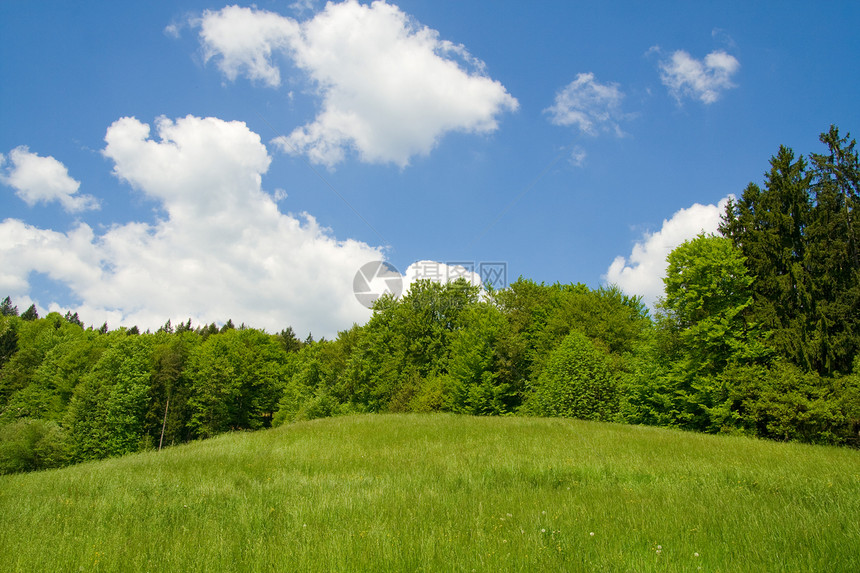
443	493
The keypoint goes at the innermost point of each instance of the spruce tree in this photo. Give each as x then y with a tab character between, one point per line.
31	313
7	309
800	238
832	257
769	226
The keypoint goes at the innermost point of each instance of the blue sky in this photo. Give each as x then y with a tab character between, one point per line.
193	159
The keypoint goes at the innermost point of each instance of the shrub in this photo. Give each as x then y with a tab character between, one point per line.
786	403
577	383
29	444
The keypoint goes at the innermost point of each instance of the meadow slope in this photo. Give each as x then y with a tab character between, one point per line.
443	493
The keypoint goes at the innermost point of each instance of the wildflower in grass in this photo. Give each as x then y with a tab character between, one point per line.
543	530
695	554
591	534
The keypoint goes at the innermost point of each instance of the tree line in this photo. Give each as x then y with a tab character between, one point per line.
756	334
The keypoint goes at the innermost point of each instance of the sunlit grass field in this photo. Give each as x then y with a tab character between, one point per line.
443	493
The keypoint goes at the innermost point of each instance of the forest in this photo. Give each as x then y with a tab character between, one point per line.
756	334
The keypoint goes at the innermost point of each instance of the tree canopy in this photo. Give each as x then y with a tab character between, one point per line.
757	333
800	239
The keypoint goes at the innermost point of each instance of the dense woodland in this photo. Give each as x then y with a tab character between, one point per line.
757	333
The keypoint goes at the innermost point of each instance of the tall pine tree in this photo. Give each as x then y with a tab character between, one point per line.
800	239
769	226
832	257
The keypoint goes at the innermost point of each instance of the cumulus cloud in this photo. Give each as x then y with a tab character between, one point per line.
704	80
642	272
242	41
223	250
589	105
71	258
389	88
38	179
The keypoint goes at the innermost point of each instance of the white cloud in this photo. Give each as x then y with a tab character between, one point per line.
38	179
223	250
589	105
71	258
578	156
705	80
643	271
390	88
243	39
173	30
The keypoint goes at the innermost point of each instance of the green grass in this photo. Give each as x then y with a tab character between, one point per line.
443	493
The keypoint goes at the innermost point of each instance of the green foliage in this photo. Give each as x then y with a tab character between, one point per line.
406	341
757	333
168	414
36	339
833	256
711	371
289	340
800	239
439	393
474	384
30	444
65	365
73	318
540	316
709	368
8	338
236	379
704	312
107	411
313	376
30	314
784	402
7	308
577	383
648	391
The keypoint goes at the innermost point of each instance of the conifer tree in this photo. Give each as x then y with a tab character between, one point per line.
833	255
800	239
7	309
73	318
31	313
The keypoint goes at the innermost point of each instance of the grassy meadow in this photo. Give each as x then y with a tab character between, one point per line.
443	493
